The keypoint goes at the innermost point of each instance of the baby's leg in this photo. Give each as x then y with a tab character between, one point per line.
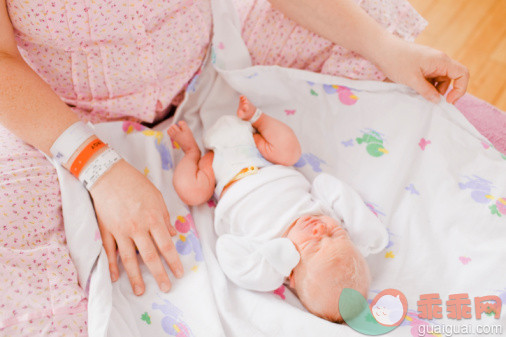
275	140
193	177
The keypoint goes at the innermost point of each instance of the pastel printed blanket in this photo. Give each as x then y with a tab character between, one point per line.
437	185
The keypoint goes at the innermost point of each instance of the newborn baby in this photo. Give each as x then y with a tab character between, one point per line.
273	225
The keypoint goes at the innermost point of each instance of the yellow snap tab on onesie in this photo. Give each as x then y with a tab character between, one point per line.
247	171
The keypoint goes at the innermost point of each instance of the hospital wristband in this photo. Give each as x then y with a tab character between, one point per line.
98	167
256	116
70	141
85	155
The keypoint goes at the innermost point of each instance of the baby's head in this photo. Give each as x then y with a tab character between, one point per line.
329	262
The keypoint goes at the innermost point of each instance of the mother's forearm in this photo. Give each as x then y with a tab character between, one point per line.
29	108
343	22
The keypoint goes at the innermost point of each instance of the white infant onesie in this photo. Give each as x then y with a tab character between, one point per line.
256	211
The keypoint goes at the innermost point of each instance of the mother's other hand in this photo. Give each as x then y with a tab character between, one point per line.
131	213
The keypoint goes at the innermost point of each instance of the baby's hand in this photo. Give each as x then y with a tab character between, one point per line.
428	71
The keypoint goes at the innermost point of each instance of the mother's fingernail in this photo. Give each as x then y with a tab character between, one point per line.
179	273
164	287
138	290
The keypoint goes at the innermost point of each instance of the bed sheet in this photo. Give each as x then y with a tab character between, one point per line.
433	180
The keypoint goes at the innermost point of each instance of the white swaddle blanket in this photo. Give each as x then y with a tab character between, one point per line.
429	176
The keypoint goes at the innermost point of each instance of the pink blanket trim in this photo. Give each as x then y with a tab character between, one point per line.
486	118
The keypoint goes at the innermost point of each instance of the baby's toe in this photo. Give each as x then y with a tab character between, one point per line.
173	130
183	126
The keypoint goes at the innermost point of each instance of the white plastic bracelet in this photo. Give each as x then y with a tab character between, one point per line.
98	167
69	141
256	116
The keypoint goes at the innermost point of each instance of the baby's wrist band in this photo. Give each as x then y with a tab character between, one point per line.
98	167
256	116
69	141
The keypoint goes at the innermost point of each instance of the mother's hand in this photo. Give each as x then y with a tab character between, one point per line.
131	213
428	71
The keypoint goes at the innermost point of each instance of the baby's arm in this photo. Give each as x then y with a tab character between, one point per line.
256	264
364	227
275	140
193	177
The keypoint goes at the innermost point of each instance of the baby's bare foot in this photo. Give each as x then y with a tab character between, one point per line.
182	134
246	109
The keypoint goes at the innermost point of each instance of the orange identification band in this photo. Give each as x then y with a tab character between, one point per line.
85	155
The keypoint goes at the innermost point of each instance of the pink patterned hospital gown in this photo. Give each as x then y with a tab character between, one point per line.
115	59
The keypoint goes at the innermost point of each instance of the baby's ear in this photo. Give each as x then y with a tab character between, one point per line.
291	280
